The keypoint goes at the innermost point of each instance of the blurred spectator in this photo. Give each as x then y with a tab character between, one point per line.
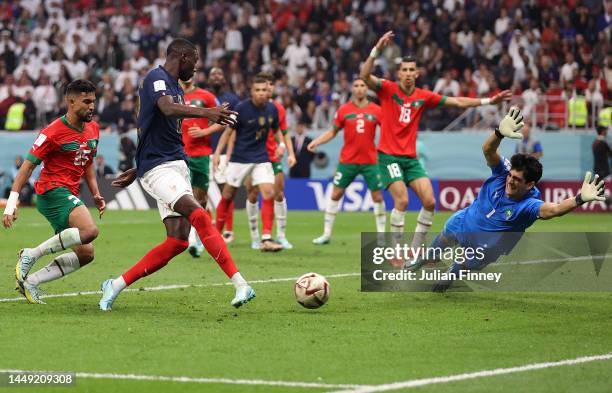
25	196
529	145
602	154
447	86
102	170
127	152
304	158
503	44
109	110
45	98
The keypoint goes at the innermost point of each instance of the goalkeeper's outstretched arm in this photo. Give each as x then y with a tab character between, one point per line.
591	190
510	127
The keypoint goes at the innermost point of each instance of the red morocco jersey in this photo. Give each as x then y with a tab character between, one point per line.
65	152
271	143
359	132
401	115
197	147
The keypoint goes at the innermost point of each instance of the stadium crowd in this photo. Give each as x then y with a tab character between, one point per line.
315	47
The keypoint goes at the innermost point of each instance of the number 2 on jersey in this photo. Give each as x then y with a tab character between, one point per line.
360	126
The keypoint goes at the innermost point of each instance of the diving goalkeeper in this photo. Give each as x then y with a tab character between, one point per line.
508	203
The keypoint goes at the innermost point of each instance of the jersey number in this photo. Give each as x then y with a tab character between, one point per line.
394	170
337	178
360	126
74	200
405	115
81	158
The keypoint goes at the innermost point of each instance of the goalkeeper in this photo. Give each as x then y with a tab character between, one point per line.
508	203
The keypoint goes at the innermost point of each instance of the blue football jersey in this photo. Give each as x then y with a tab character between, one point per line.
252	127
159	136
233	100
492	211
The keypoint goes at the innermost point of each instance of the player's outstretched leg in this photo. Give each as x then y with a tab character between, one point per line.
81	232
154	260
215	246
331	209
28	256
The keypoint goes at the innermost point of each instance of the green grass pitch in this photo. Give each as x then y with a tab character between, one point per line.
357	338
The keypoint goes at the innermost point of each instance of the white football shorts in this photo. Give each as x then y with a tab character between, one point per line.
167	183
219	174
261	173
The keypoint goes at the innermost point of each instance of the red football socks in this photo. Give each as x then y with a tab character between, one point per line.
222	212
229	222
212	240
267	216
155	259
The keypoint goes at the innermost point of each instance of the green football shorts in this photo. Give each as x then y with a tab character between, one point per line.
398	168
56	205
346	173
277	167
199	168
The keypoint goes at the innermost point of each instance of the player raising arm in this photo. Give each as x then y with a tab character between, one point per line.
402	106
66	147
162	168
359	119
508	201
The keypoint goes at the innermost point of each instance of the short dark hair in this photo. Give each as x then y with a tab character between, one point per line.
267	76
601	130
406	59
179	46
76	87
260	79
529	165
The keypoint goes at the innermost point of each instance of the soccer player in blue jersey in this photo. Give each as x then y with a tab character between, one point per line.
218	85
256	117
163	172
508	202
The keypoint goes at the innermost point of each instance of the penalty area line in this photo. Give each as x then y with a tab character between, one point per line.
474	375
227	381
176	286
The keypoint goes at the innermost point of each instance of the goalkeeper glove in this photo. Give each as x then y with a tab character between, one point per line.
591	190
511	124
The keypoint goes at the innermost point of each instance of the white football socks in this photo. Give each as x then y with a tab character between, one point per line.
330	215
397	224
62	265
65	239
280	212
118	284
237	280
252	210
424	221
380	215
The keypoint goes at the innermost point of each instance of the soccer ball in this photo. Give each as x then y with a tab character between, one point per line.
311	290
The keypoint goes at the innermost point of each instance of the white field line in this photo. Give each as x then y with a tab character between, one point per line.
160	378
273	280
177	286
474	375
